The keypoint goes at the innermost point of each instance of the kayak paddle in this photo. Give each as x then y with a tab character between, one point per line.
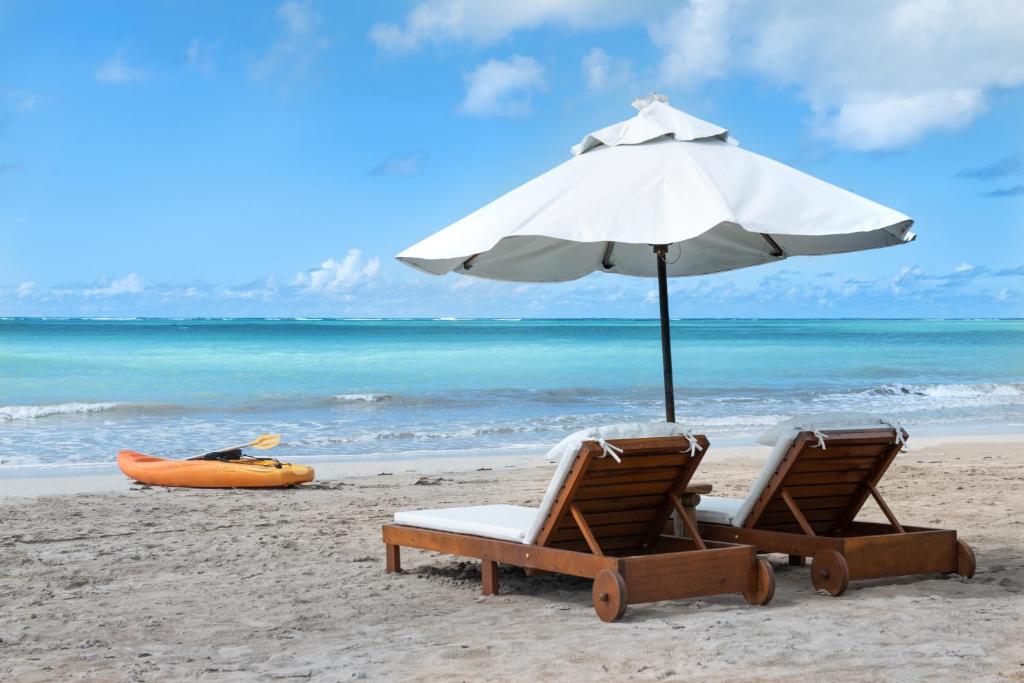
262	442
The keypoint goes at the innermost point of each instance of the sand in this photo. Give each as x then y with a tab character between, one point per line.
140	583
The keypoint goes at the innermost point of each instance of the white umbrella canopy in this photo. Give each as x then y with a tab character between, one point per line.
662	180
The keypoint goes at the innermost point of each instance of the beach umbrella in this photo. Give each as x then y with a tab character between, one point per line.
662	194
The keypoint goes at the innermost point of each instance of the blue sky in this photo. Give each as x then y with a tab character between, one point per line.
270	158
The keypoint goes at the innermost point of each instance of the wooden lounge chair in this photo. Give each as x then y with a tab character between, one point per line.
805	501
601	519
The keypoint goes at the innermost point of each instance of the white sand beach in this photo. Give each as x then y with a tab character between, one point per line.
108	581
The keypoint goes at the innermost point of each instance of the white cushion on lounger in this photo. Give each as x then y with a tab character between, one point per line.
784	433
811	421
523	524
565	453
718	510
503	522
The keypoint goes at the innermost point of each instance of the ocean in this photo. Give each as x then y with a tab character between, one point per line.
73	392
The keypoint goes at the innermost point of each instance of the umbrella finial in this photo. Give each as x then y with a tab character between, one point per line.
641	102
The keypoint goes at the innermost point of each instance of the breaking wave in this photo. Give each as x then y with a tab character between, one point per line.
11	413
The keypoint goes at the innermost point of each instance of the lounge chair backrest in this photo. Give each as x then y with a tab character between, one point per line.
829	485
565	452
625	504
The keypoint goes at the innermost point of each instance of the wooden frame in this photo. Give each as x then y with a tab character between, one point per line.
607	524
809	507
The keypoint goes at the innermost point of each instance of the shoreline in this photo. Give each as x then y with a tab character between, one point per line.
62	480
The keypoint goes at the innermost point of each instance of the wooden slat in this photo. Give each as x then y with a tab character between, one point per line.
583	564
632	476
837	464
842	477
785	516
607	544
790	528
574	533
837	450
598	519
673	460
660	577
644	488
808	504
610	504
818	490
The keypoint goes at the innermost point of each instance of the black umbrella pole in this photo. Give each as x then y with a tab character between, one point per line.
666	334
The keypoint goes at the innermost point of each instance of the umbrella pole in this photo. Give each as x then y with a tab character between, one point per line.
666	335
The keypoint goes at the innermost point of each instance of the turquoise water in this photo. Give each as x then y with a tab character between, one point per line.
77	391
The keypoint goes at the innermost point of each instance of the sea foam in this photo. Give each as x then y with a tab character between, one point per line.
11	413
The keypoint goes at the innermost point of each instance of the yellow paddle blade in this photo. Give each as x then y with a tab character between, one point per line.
265	441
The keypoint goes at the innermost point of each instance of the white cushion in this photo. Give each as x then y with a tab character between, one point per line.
718	510
811	421
564	453
524	524
503	522
784	433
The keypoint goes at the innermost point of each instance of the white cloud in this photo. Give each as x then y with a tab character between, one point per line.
338	276
963	268
27	289
117	70
129	284
881	122
298	46
198	56
502	88
879	74
694	42
601	71
401	164
876	74
485	23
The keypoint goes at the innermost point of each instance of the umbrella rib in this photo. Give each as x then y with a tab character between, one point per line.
606	260
776	249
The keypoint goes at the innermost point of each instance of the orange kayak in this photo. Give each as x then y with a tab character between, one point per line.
211	474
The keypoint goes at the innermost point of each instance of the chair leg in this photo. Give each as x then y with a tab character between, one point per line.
394	558
489	575
797	560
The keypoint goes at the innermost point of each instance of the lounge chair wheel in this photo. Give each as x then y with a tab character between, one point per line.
609	595
829	572
762	595
965	562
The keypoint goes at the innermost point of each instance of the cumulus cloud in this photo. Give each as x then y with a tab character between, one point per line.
116	70
27	289
334	276
485	23
129	284
401	164
871	122
694	41
502	88
878	74
602	71
297	47
875	74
